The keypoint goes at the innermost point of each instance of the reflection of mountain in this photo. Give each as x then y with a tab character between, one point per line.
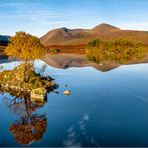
65	36
76	60
30	126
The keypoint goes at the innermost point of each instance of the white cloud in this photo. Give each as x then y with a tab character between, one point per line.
11	4
135	26
31	12
37	18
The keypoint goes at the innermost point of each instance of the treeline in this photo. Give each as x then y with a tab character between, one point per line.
121	51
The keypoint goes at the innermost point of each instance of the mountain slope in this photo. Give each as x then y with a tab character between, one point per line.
65	36
104	27
62	35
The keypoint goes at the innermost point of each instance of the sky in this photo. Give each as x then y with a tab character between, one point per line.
37	17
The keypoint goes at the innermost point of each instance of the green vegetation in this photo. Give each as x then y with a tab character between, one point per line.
121	51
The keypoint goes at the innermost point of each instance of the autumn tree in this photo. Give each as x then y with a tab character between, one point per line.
25	47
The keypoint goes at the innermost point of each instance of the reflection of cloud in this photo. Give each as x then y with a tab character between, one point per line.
141	98
77	135
86	117
72	139
70	129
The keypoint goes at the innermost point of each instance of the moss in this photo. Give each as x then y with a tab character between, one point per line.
39	91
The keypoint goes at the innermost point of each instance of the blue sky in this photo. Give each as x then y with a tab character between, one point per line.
39	16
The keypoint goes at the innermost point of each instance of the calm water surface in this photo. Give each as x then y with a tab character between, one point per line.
104	109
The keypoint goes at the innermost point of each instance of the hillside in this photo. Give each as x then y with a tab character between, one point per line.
65	36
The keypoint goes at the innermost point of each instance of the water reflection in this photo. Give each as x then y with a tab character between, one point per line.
65	61
107	109
29	126
77	136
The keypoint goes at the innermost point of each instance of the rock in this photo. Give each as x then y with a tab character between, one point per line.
67	92
38	95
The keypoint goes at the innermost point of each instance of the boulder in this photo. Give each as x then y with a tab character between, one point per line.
67	92
38	95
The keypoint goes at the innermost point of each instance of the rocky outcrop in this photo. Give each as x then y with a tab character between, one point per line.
23	79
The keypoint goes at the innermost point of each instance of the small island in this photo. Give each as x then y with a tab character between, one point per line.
23	78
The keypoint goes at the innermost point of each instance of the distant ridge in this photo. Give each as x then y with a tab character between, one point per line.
105	27
65	36
4	40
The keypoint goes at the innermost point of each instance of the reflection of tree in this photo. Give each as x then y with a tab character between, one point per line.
120	51
20	104
29	127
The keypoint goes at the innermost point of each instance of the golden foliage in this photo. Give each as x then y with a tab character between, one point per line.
29	129
25	46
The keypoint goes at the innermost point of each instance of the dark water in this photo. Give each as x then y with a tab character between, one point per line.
104	109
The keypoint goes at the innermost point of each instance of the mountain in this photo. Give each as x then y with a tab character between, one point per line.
62	35
65	36
4	40
104	27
